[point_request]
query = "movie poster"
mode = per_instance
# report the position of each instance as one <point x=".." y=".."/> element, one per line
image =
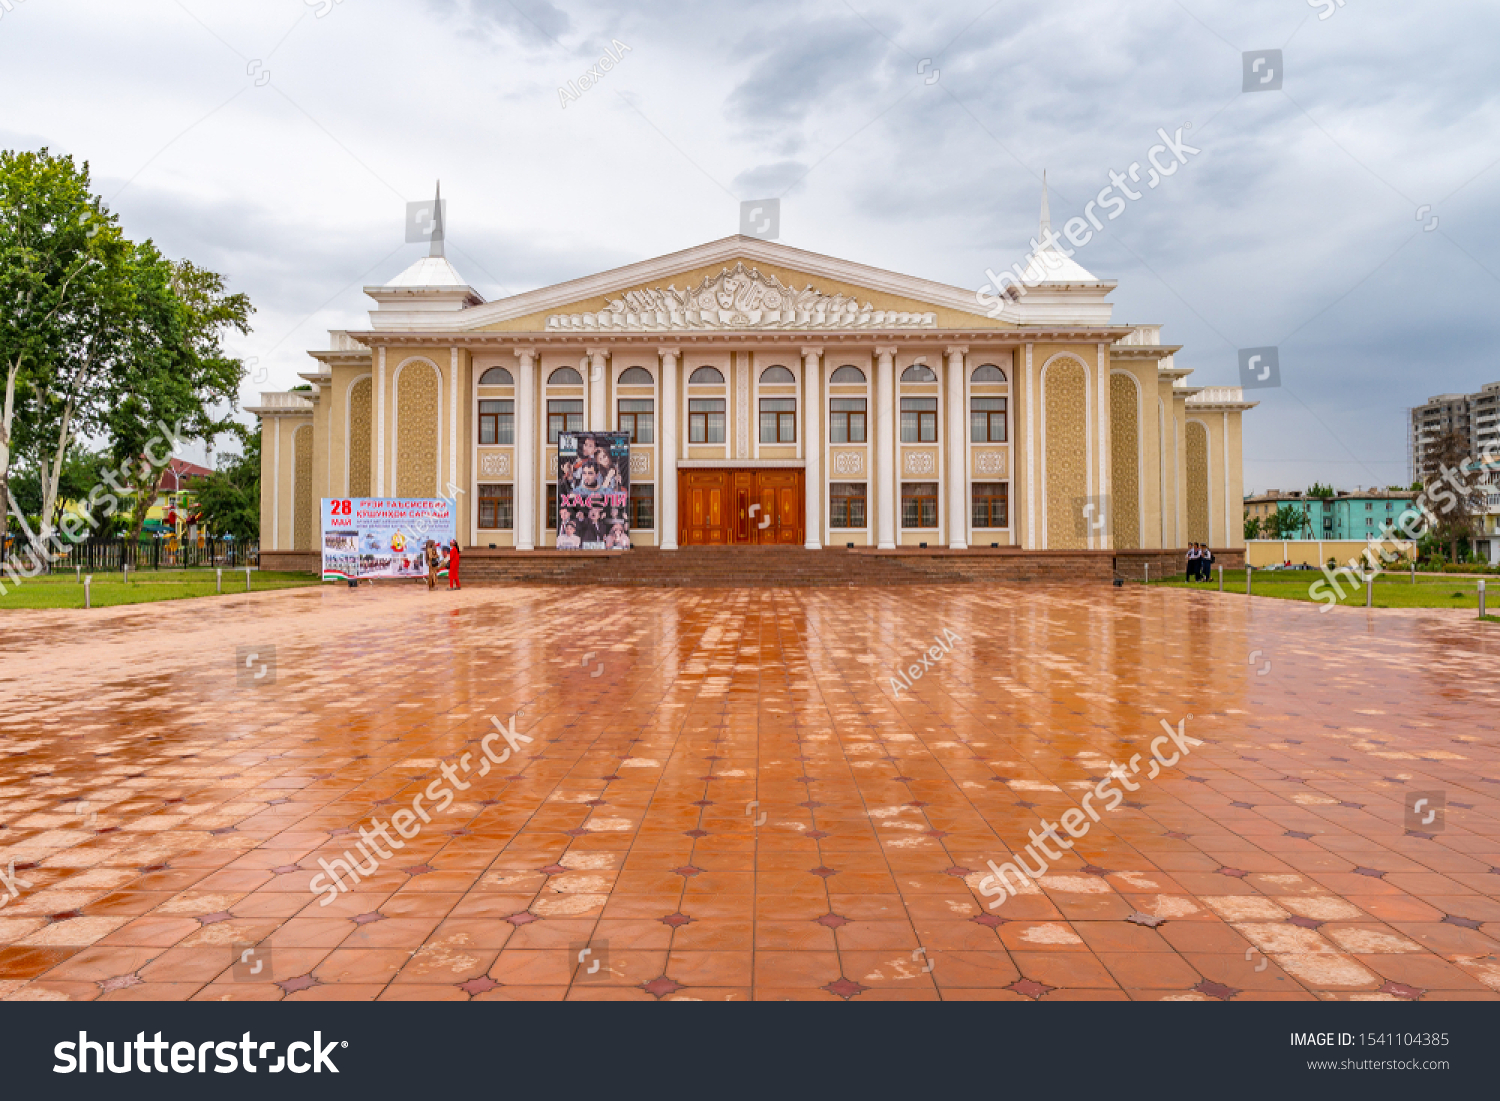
<point x="593" y="491"/>
<point x="384" y="536"/>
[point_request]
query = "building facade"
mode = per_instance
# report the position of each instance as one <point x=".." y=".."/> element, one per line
<point x="1474" y="417"/>
<point x="1348" y="514"/>
<point x="773" y="395"/>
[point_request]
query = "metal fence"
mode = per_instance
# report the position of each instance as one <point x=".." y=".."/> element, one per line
<point x="108" y="555"/>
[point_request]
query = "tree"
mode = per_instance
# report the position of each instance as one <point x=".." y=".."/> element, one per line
<point x="1252" y="527"/>
<point x="1456" y="497"/>
<point x="228" y="500"/>
<point x="1286" y="522"/>
<point x="175" y="373"/>
<point x="1318" y="489"/>
<point x="57" y="244"/>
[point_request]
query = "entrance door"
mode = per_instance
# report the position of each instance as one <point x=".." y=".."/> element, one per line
<point x="741" y="507"/>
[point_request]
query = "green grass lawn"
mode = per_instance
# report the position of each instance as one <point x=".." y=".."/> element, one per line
<point x="144" y="587"/>
<point x="1393" y="590"/>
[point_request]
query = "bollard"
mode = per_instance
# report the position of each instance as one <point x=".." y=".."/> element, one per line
<point x="1221" y="578"/>
<point x="1413" y="571"/>
<point x="1481" y="598"/>
<point x="1249" y="575"/>
<point x="125" y="566"/>
<point x="1148" y="573"/>
<point x="87" y="584"/>
<point x="247" y="579"/>
<point x="1370" y="589"/>
<point x="78" y="574"/>
<point x="218" y="581"/>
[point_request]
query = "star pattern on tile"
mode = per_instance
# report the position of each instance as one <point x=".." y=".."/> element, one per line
<point x="676" y="921"/>
<point x="1031" y="988"/>
<point x="845" y="988"/>
<point x="661" y="987"/>
<point x="1215" y="990"/>
<point x="301" y="982"/>
<point x="479" y="985"/>
<point x="832" y="920"/>
<point x="823" y="871"/>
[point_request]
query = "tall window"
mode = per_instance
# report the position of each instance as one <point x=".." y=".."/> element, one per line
<point x="846" y="505"/>
<point x="642" y="507"/>
<point x="846" y="422"/>
<point x="563" y="416"/>
<point x="778" y="420"/>
<point x="496" y="507"/>
<point x="705" y="419"/>
<point x="991" y="504"/>
<point x="919" y="503"/>
<point x="551" y="506"/>
<point x="638" y="416"/>
<point x="919" y="420"/>
<point x="497" y="422"/>
<point x="987" y="420"/>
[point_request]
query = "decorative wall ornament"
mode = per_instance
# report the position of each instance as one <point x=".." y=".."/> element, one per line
<point x="991" y="464"/>
<point x="302" y="499"/>
<point x="742" y="405"/>
<point x="640" y="464"/>
<point x="1065" y="414"/>
<point x="495" y="464"/>
<point x="920" y="462"/>
<point x="847" y="462"/>
<point x="1124" y="434"/>
<point x="737" y="298"/>
<point x="1197" y="482"/>
<point x="361" y="419"/>
<point x="417" y="430"/>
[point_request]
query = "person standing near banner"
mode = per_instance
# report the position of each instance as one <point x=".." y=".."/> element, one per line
<point x="453" y="557"/>
<point x="430" y="553"/>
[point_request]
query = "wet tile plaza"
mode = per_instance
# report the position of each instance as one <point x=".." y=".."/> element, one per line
<point x="732" y="794"/>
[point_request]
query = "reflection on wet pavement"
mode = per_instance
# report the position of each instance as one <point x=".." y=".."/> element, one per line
<point x="736" y="794"/>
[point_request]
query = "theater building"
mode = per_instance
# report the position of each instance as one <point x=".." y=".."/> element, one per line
<point x="773" y="396"/>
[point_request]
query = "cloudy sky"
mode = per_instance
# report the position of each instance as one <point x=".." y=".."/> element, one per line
<point x="1348" y="218"/>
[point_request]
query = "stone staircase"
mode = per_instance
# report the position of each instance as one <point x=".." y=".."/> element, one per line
<point x="772" y="567"/>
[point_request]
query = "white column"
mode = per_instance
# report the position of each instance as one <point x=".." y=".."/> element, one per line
<point x="666" y="450"/>
<point x="598" y="410"/>
<point x="526" y="449"/>
<point x="812" y="424"/>
<point x="887" y="493"/>
<point x="958" y="451"/>
<point x="1033" y="539"/>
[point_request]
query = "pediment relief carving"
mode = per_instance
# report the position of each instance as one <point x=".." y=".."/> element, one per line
<point x="736" y="298"/>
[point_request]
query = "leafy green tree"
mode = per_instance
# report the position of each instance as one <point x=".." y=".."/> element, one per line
<point x="228" y="500"/>
<point x="1287" y="522"/>
<point x="1252" y="527"/>
<point x="59" y="251"/>
<point x="1318" y="489"/>
<point x="175" y="374"/>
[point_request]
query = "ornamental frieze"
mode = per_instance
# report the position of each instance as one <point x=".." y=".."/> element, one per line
<point x="737" y="298"/>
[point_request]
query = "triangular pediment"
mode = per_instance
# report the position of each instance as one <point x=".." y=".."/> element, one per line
<point x="736" y="284"/>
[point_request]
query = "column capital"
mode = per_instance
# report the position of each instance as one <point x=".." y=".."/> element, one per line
<point x="957" y="349"/>
<point x="591" y="352"/>
<point x="812" y="351"/>
<point x="675" y="353"/>
<point x="525" y="351"/>
<point x="886" y="350"/>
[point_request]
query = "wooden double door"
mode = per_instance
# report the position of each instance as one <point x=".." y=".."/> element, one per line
<point x="740" y="507"/>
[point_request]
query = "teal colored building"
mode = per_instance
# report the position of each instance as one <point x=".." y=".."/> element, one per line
<point x="1360" y="514"/>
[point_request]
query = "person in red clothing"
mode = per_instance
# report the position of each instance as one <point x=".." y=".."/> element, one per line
<point x="453" y="565"/>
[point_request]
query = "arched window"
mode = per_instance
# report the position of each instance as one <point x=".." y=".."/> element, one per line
<point x="496" y="376"/>
<point x="918" y="372"/>
<point x="848" y="374"/>
<point x="776" y="376"/>
<point x="706" y="376"/>
<point x="565" y="376"/>
<point x="635" y="376"/>
<point x="987" y="373"/>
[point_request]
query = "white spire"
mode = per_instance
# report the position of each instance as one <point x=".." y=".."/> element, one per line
<point x="1046" y="212"/>
<point x="437" y="222"/>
